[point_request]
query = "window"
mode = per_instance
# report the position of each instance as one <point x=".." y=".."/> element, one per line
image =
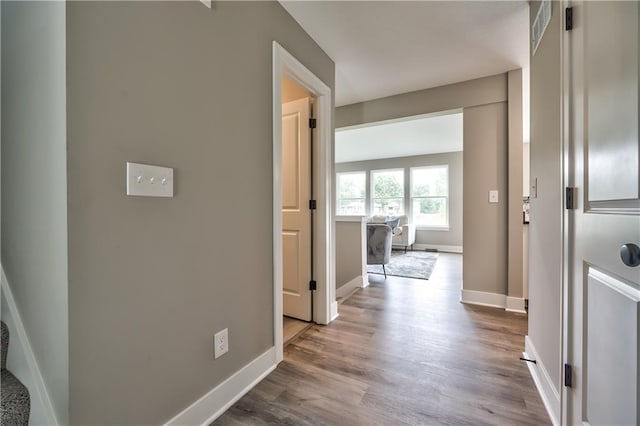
<point x="388" y="192"/>
<point x="430" y="196"/>
<point x="352" y="193"/>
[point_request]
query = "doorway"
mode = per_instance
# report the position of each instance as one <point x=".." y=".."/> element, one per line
<point x="297" y="211"/>
<point x="408" y="174"/>
<point x="324" y="305"/>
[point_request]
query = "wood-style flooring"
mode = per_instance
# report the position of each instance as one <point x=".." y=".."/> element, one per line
<point x="291" y="328"/>
<point x="403" y="351"/>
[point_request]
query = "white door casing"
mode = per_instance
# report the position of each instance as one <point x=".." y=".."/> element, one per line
<point x="602" y="306"/>
<point x="324" y="301"/>
<point x="296" y="216"/>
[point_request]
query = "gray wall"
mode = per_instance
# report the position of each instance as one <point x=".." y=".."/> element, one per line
<point x="452" y="237"/>
<point x="485" y="165"/>
<point x="545" y="229"/>
<point x="151" y="280"/>
<point x="485" y="225"/>
<point x="34" y="191"/>
<point x="350" y="250"/>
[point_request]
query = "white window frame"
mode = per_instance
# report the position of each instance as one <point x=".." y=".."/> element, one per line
<point x="364" y="200"/>
<point x="411" y="197"/>
<point x="372" y="191"/>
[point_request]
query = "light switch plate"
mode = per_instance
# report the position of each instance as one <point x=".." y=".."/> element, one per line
<point x="493" y="196"/>
<point x="144" y="180"/>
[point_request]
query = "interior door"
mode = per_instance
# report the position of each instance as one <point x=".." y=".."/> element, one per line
<point x="603" y="295"/>
<point x="296" y="216"/>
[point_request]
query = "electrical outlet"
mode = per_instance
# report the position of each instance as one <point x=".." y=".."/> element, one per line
<point x="220" y="343"/>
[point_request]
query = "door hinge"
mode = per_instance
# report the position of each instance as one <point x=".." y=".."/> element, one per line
<point x="568" y="19"/>
<point x="312" y="123"/>
<point x="568" y="376"/>
<point x="570" y="197"/>
<point x="313" y="285"/>
<point x="312" y="204"/>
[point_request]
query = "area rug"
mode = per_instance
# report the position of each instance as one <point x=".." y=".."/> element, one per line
<point x="413" y="264"/>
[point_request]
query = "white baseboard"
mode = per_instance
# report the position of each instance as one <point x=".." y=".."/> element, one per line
<point x="544" y="384"/>
<point x="494" y="300"/>
<point x="449" y="249"/>
<point x="515" y="304"/>
<point x="483" y="298"/>
<point x="351" y="286"/>
<point x="365" y="281"/>
<point x="213" y="404"/>
<point x="334" y="311"/>
<point x="21" y="360"/>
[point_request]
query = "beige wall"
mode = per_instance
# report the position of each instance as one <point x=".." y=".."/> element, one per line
<point x="151" y="279"/>
<point x="34" y="188"/>
<point x="291" y="91"/>
<point x="545" y="229"/>
<point x="485" y="226"/>
<point x="452" y="237"/>
<point x="516" y="243"/>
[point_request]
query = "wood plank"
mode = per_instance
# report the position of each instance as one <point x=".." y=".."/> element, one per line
<point x="292" y="328"/>
<point x="403" y="351"/>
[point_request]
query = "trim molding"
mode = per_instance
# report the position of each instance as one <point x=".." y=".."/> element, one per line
<point x="25" y="367"/>
<point x="350" y="218"/>
<point x="515" y="304"/>
<point x="544" y="384"/>
<point x="494" y="300"/>
<point x="283" y="63"/>
<point x="215" y="402"/>
<point x="351" y="286"/>
<point x="334" y="310"/>
<point x="483" y="298"/>
<point x="449" y="249"/>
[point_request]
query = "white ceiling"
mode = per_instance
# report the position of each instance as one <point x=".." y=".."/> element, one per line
<point x="383" y="48"/>
<point x="400" y="138"/>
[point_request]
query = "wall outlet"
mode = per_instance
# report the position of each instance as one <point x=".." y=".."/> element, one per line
<point x="220" y="343"/>
<point x="493" y="196"/>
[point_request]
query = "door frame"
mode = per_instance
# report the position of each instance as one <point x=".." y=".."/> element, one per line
<point x="325" y="307"/>
<point x="566" y="147"/>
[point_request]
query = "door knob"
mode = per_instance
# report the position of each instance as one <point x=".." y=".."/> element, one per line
<point x="630" y="254"/>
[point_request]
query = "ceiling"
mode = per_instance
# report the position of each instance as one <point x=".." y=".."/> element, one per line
<point x="383" y="48"/>
<point x="431" y="134"/>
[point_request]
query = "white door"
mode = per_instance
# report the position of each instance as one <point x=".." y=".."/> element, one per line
<point x="603" y="294"/>
<point x="296" y="216"/>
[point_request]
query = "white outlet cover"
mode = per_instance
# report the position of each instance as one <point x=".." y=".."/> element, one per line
<point x="493" y="196"/>
<point x="144" y="180"/>
<point x="220" y="343"/>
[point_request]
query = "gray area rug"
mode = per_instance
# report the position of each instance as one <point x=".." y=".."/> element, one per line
<point x="413" y="264"/>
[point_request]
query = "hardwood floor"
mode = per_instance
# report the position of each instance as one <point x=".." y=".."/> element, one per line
<point x="403" y="351"/>
<point x="291" y="328"/>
